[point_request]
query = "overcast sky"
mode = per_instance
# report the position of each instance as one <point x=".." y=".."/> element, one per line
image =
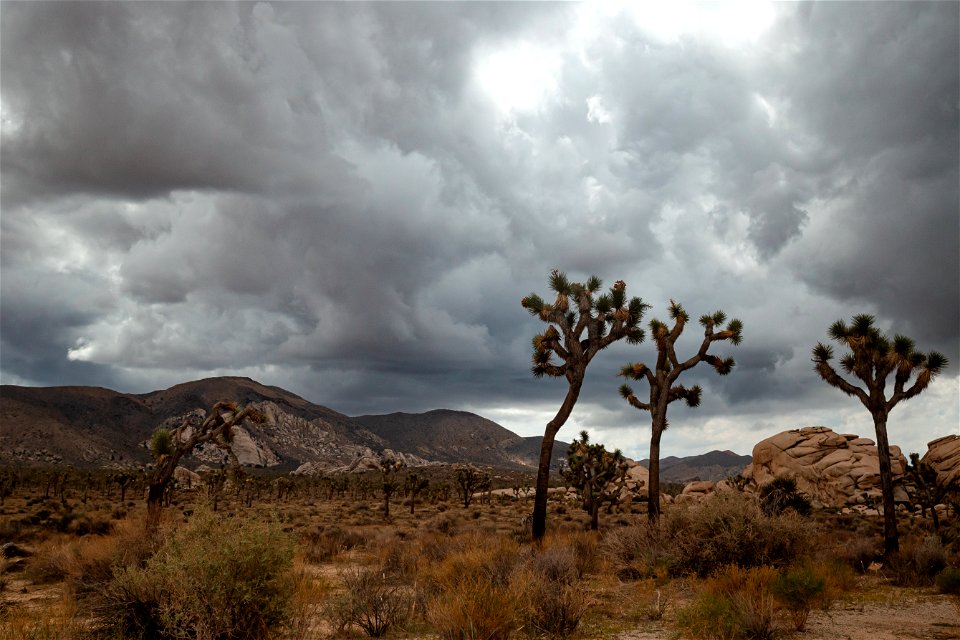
<point x="350" y="200"/>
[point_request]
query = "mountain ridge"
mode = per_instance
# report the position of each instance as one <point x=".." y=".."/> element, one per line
<point x="96" y="426"/>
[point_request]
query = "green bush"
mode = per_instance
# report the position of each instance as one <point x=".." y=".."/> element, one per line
<point x="781" y="494"/>
<point x="212" y="578"/>
<point x="798" y="589"/>
<point x="949" y="581"/>
<point x="733" y="604"/>
<point x="726" y="528"/>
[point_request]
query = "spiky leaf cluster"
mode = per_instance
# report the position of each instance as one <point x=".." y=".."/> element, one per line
<point x="668" y="368"/>
<point x="161" y="444"/>
<point x="873" y="357"/>
<point x="581" y="323"/>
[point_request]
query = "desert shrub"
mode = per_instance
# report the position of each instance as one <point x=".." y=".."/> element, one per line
<point x="554" y="600"/>
<point x="651" y="597"/>
<point x="371" y="603"/>
<point x="781" y="494"/>
<point x="709" y="617"/>
<point x="308" y="604"/>
<point x="948" y="581"/>
<point x="398" y="559"/>
<point x="726" y="528"/>
<point x="89" y="563"/>
<point x="324" y="544"/>
<point x="637" y="552"/>
<point x="860" y="553"/>
<point x="470" y="593"/>
<point x="839" y="578"/>
<point x="798" y="589"/>
<point x="734" y="603"/>
<point x="445" y="523"/>
<point x="212" y="578"/>
<point x="585" y="546"/>
<point x="917" y="563"/>
<point x="57" y="620"/>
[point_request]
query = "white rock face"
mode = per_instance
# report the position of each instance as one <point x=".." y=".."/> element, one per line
<point x="833" y="469"/>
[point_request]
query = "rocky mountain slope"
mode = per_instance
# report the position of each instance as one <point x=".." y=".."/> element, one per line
<point x="90" y="426"/>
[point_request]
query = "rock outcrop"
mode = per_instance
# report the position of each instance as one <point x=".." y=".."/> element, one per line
<point x="943" y="455"/>
<point x="832" y="469"/>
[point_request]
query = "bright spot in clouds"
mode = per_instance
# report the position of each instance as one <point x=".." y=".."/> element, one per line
<point x="518" y="78"/>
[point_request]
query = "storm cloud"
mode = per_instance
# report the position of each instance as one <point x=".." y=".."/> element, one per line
<point x="349" y="200"/>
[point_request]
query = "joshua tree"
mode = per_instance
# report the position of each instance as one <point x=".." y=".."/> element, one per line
<point x="387" y="467"/>
<point x="414" y="485"/>
<point x="663" y="376"/>
<point x="872" y="358"/>
<point x="470" y="481"/>
<point x="168" y="447"/>
<point x="598" y="475"/>
<point x="579" y="327"/>
<point x="927" y="489"/>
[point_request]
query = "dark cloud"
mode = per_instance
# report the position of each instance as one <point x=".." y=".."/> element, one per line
<point x="349" y="200"/>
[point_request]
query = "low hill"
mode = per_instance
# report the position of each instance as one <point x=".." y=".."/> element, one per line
<point x="457" y="436"/>
<point x="713" y="466"/>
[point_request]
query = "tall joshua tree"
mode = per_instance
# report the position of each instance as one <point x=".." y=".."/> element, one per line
<point x="168" y="447"/>
<point x="872" y="358"/>
<point x="579" y="327"/>
<point x="663" y="376"/>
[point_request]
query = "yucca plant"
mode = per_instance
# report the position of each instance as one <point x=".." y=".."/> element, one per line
<point x="662" y="378"/>
<point x="579" y="326"/>
<point x="598" y="475"/>
<point x="873" y="357"/>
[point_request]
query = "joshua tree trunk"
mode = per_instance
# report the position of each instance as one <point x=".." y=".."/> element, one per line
<point x="891" y="539"/>
<point x="653" y="482"/>
<point x="539" y="520"/>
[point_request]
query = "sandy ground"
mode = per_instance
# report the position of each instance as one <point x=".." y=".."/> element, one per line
<point x="879" y="612"/>
<point x="886" y="616"/>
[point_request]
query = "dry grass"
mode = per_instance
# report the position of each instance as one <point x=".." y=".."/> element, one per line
<point x="468" y="572"/>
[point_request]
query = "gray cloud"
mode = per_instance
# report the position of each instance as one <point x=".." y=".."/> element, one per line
<point x="340" y="199"/>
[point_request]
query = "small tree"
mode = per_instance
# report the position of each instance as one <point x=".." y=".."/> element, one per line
<point x="414" y="485"/>
<point x="168" y="447"/>
<point x="926" y="488"/>
<point x="663" y="376"/>
<point x="579" y="327"/>
<point x="470" y="481"/>
<point x="873" y="358"/>
<point x="387" y="468"/>
<point x="598" y="475"/>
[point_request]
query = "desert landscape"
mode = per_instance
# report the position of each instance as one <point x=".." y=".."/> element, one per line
<point x="389" y="542"/>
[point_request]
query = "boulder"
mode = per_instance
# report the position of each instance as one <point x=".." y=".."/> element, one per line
<point x="187" y="479"/>
<point x="832" y="469"/>
<point x="943" y="455"/>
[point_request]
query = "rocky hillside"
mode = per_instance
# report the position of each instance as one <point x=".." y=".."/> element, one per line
<point x="89" y="426"/>
<point x="713" y="466"/>
<point x="453" y="436"/>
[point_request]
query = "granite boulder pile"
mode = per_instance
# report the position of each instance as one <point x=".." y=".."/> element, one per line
<point x="833" y="469"/>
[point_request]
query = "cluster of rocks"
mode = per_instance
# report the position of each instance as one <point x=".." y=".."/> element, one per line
<point x="366" y="460"/>
<point x="838" y="470"/>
